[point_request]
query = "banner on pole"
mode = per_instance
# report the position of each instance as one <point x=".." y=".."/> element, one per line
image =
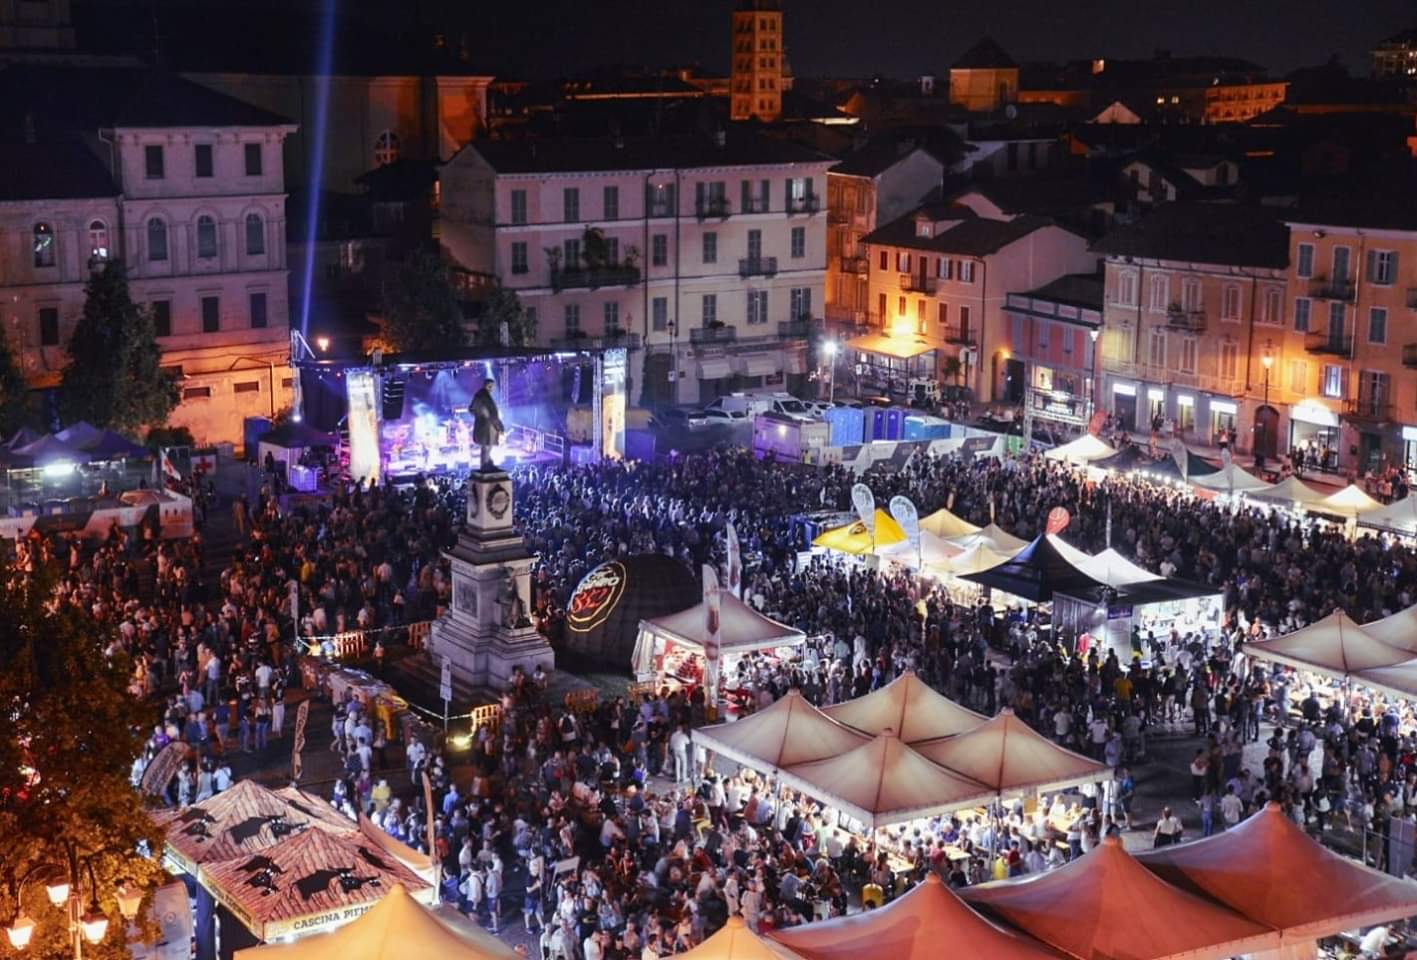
<point x="712" y="612"/>
<point x="906" y="514"/>
<point x="735" y="564"/>
<point x="865" y="503"/>
<point x="302" y="717"/>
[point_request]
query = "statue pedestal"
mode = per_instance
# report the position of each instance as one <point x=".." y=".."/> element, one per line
<point x="486" y="632"/>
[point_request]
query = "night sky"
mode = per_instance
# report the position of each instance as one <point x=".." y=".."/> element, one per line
<point x="904" y="38"/>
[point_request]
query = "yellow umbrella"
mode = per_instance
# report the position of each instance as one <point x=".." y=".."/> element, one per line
<point x="855" y="539"/>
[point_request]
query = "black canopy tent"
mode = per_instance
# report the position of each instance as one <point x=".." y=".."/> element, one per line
<point x="1132" y="458"/>
<point x="1035" y="573"/>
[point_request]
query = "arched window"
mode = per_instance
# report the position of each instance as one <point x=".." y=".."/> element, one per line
<point x="206" y="237"/>
<point x="255" y="234"/>
<point x="157" y="239"/>
<point x="43" y="245"/>
<point x="386" y="148"/>
<point x="98" y="240"/>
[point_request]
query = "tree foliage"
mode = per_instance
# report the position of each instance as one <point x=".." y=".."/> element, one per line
<point x="14" y="398"/>
<point x="421" y="307"/>
<point x="71" y="732"/>
<point x="114" y="378"/>
<point x="505" y="307"/>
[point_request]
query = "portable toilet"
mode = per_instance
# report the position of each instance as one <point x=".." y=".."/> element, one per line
<point x="877" y="430"/>
<point x="847" y="425"/>
<point x="895" y="423"/>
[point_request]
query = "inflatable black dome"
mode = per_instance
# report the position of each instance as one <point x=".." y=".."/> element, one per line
<point x="608" y="604"/>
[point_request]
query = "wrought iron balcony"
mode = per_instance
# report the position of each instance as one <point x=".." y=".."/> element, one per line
<point x="799" y="329"/>
<point x="1368" y="409"/>
<point x="757" y="267"/>
<point x="853" y="265"/>
<point x="1322" y="288"/>
<point x="808" y="204"/>
<point x="913" y="283"/>
<point x="1333" y="344"/>
<point x="961" y="336"/>
<point x="713" y="334"/>
<point x="1179" y="318"/>
<point x="756" y="205"/>
<point x="711" y="207"/>
<point x="594" y="277"/>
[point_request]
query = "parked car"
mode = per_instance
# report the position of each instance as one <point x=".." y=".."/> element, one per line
<point x="714" y="416"/>
<point x="681" y="417"/>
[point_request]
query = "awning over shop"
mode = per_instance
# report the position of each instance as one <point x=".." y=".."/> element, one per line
<point x="760" y="364"/>
<point x="715" y="368"/>
<point x="907" y="707"/>
<point x="891" y="345"/>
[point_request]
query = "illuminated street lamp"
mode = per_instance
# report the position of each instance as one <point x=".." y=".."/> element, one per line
<point x="85" y="925"/>
<point x="1267" y="358"/>
<point x="830" y="349"/>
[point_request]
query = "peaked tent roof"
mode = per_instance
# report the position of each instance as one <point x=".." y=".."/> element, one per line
<point x="1012" y="758"/>
<point x="914" y="926"/>
<point x="1398" y="630"/>
<point x="934" y="551"/>
<point x="21" y="437"/>
<point x="50" y="449"/>
<point x="1035" y="573"/>
<point x="945" y="524"/>
<point x="977" y="559"/>
<point x="1197" y="465"/>
<point x="907" y="707"/>
<point x="1107" y="906"/>
<point x="1351" y="501"/>
<point x="740" y="626"/>
<point x="854" y="538"/>
<point x="1231" y="479"/>
<point x="82" y="435"/>
<point x="1084" y="449"/>
<point x="1399" y="516"/>
<point x="1290" y="490"/>
<point x="994" y="537"/>
<point x="1070" y="553"/>
<point x="788" y="731"/>
<point x="1271" y="871"/>
<point x="734" y="941"/>
<point x="1115" y="570"/>
<point x="883" y="782"/>
<point x="394" y="928"/>
<point x="1336" y="646"/>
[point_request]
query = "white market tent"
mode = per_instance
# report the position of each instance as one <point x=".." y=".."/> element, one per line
<point x="907" y="707"/>
<point x="1082" y="451"/>
<point x="1106" y="905"/>
<point x="944" y="524"/>
<point x="994" y="537"/>
<point x="1070" y="553"/>
<point x="1115" y="570"/>
<point x="1398" y="630"/>
<point x="935" y="551"/>
<point x="741" y="630"/>
<point x="883" y="782"/>
<point x="1400" y="516"/>
<point x="1268" y="869"/>
<point x="1291" y="490"/>
<point x="978" y="558"/>
<point x="1351" y="501"/>
<point x="1335" y="646"/>
<point x="788" y="731"/>
<point x="923" y="924"/>
<point x="1231" y="479"/>
<point x="1013" y="759"/>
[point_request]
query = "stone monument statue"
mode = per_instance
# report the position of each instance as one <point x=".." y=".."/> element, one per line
<point x="513" y="606"/>
<point x="487" y="426"/>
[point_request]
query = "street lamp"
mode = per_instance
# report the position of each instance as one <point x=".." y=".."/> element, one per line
<point x="1267" y="359"/>
<point x="1094" y="333"/>
<point x="90" y="924"/>
<point x="829" y="348"/>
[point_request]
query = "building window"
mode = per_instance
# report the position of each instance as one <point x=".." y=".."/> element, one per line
<point x="710" y="248"/>
<point x="44" y="252"/>
<point x="1158" y="286"/>
<point x="258" y="311"/>
<point x="1302" y="309"/>
<point x="1299" y="376"/>
<point x="802" y="304"/>
<point x="153" y="162"/>
<point x="386" y="148"/>
<point x="571" y="205"/>
<point x="710" y="309"/>
<point x="1191" y="295"/>
<point x="757" y="306"/>
<point x="49" y="326"/>
<point x="966" y="271"/>
<point x="206" y="237"/>
<point x="519" y="259"/>
<point x="610" y="312"/>
<point x="157" y="240"/>
<point x="98" y="240"/>
<point x="1273" y="305"/>
<point x="1377" y="325"/>
<point x="197" y="393"/>
<point x="944" y="312"/>
<point x="252" y="152"/>
<point x="519" y="206"/>
<point x="902" y="261"/>
<point x="1188" y="354"/>
<point x="1331" y="384"/>
<point x="612" y="250"/>
<point x="246" y="386"/>
<point x="799" y="242"/>
<point x="255" y="235"/>
<point x="964" y="313"/>
<point x="900" y="306"/>
<point x="1127" y="288"/>
<point x="162" y="317"/>
<point x="211" y="314"/>
<point x="1335" y="319"/>
<point x="573" y="319"/>
<point x="611" y="197"/>
<point x="1229" y="359"/>
<point x="1157" y="355"/>
<point x="1304" y="262"/>
<point x="1230" y="304"/>
<point x="885" y="262"/>
<point x="203" y="152"/>
<point x="659" y="313"/>
<point x="659" y="250"/>
<point x="571" y="255"/>
<point x="1382" y="267"/>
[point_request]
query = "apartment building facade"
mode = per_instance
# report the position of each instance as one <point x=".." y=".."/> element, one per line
<point x="706" y="257"/>
<point x="1351" y="343"/>
<point x="183" y="186"/>
<point x="1193" y="334"/>
<point x="939" y="279"/>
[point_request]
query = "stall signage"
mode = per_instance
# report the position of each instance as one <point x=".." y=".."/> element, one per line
<point x="596" y="596"/>
<point x="319" y="921"/>
<point x="1119" y="613"/>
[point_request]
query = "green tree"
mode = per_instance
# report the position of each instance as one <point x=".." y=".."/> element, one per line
<point x="72" y="730"/>
<point x="114" y="378"/>
<point x="421" y="307"/>
<point x="504" y="306"/>
<point x="14" y="398"/>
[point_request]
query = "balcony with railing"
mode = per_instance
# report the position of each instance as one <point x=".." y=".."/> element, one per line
<point x="1409" y="355"/>
<point x="961" y="336"/>
<point x="711" y="207"/>
<point x="659" y="208"/>
<point x="914" y="283"/>
<point x="1322" y="288"/>
<point x="796" y="329"/>
<point x="1368" y="408"/>
<point x="809" y="204"/>
<point x="722" y="334"/>
<point x="594" y="277"/>
<point x="757" y="267"/>
<point x="1185" y="319"/>
<point x="756" y="205"/>
<point x="1333" y="343"/>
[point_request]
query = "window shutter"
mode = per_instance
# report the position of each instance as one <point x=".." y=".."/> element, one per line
<point x="1371" y="267"/>
<point x="747" y="192"/>
<point x="1392" y="267"/>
